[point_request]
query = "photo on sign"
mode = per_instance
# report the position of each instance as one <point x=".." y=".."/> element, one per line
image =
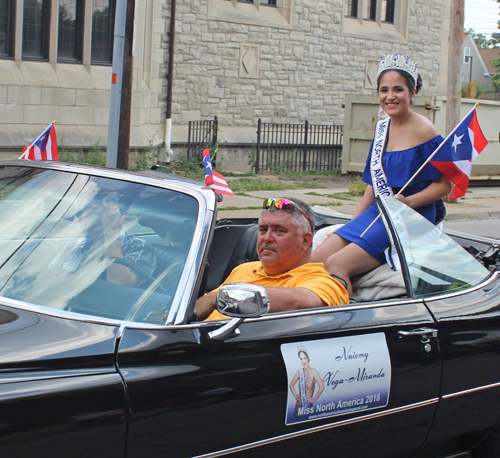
<point x="336" y="376"/>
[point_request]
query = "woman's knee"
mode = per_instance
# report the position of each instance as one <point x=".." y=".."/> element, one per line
<point x="330" y="246"/>
<point x="351" y="261"/>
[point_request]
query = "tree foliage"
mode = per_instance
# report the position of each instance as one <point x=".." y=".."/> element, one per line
<point x="480" y="39"/>
<point x="495" y="79"/>
<point x="482" y="42"/>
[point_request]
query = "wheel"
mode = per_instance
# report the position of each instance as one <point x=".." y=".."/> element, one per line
<point x="142" y="304"/>
<point x="139" y="272"/>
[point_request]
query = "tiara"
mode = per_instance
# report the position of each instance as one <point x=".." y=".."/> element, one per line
<point x="301" y="348"/>
<point x="397" y="62"/>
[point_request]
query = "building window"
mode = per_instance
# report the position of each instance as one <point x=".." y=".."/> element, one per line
<point x="352" y="8"/>
<point x="262" y="2"/>
<point x="35" y="29"/>
<point x="7" y="21"/>
<point x="69" y="44"/>
<point x="103" y="14"/>
<point x="466" y="55"/>
<point x="388" y="11"/>
<point x="369" y="9"/>
<point x="376" y="19"/>
<point x="249" y="12"/>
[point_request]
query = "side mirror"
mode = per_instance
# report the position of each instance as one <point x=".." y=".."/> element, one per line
<point x="240" y="301"/>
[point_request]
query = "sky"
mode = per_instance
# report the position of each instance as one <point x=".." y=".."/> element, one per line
<point x="482" y="16"/>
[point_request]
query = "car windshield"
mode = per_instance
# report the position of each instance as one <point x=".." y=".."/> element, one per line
<point x="92" y="245"/>
<point x="436" y="263"/>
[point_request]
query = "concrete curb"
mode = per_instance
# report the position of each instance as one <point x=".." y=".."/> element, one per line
<point x="480" y="214"/>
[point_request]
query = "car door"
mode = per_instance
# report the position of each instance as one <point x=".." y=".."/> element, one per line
<point x="469" y="330"/>
<point x="463" y="296"/>
<point x="60" y="392"/>
<point x="191" y="395"/>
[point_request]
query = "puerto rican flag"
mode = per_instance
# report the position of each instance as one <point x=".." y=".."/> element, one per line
<point x="214" y="179"/>
<point x="43" y="148"/>
<point x="455" y="155"/>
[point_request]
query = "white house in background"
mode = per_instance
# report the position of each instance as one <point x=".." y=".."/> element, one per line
<point x="488" y="55"/>
<point x="473" y="65"/>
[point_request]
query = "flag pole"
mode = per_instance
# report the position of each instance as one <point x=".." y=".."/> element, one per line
<point x="36" y="139"/>
<point x="425" y="163"/>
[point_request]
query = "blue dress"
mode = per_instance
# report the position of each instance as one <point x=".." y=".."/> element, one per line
<point x="399" y="167"/>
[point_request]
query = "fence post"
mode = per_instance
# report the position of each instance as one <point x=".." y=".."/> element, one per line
<point x="304" y="162"/>
<point x="215" y="131"/>
<point x="257" y="153"/>
<point x="189" y="141"/>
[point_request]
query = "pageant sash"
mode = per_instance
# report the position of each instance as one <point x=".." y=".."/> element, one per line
<point x="302" y="384"/>
<point x="379" y="179"/>
<point x="379" y="183"/>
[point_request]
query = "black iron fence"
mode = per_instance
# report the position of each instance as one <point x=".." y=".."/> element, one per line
<point x="290" y="147"/>
<point x="298" y="147"/>
<point x="201" y="135"/>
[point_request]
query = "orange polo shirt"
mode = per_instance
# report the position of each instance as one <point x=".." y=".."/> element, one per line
<point x="312" y="276"/>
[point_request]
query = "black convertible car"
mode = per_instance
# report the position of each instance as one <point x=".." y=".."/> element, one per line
<point x="93" y="366"/>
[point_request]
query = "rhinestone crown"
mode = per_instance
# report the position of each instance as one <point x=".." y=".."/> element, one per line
<point x="398" y="62"/>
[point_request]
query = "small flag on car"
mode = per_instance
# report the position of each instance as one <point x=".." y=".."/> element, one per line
<point x="456" y="154"/>
<point x="44" y="147"/>
<point x="214" y="179"/>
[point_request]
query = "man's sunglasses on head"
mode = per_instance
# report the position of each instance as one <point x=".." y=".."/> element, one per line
<point x="283" y="204"/>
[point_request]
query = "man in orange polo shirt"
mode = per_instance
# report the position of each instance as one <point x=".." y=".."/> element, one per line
<point x="284" y="247"/>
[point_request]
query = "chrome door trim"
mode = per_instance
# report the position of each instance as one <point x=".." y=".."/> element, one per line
<point x="442" y="296"/>
<point x="319" y="428"/>
<point x="471" y="390"/>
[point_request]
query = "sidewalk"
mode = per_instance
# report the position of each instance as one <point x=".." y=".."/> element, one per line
<point x="480" y="202"/>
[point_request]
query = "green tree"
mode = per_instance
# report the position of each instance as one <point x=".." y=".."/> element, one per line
<point x="480" y="39"/>
<point x="495" y="79"/>
<point x="494" y="41"/>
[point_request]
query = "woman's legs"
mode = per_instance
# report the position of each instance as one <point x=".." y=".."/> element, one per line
<point x="332" y="244"/>
<point x="351" y="260"/>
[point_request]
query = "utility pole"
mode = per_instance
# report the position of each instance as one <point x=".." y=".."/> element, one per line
<point x="126" y="99"/>
<point x="116" y="83"/>
<point x="454" y="92"/>
<point x="170" y="82"/>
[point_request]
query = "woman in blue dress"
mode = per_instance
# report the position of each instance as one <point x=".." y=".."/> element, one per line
<point x="400" y="147"/>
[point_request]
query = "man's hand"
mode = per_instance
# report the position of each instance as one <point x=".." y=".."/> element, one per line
<point x="112" y="221"/>
<point x="205" y="305"/>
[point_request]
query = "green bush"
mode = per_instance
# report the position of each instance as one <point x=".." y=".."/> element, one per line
<point x="357" y="188"/>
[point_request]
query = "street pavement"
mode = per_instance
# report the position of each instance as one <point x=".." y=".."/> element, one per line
<point x="480" y="202"/>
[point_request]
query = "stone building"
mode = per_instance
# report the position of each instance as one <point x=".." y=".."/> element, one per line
<point x="283" y="61"/>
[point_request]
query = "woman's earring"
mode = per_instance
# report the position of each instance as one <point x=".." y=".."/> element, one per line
<point x="412" y="100"/>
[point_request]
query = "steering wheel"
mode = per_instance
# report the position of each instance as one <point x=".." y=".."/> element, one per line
<point x="139" y="272"/>
<point x="140" y="304"/>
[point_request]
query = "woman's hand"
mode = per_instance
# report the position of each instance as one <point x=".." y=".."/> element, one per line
<point x="403" y="199"/>
<point x="437" y="189"/>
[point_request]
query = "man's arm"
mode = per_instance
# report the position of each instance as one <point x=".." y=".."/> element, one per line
<point x="283" y="299"/>
<point x="205" y="305"/>
<point x="112" y="222"/>
<point x="280" y="299"/>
